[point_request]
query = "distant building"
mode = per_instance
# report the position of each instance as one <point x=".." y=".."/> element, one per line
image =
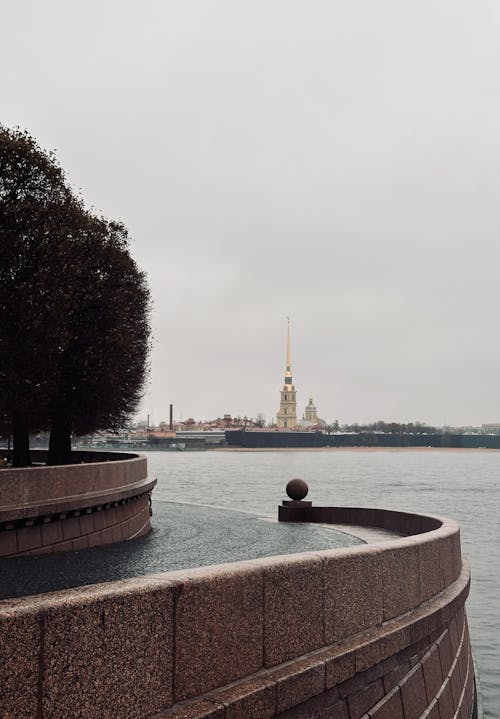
<point x="310" y="419"/>
<point x="310" y="413"/>
<point x="287" y="413"/>
<point x="491" y="428"/>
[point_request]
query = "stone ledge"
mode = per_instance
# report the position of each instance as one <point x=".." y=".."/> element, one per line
<point x="354" y="660"/>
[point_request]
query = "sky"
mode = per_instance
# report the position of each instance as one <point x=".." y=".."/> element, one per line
<point x="337" y="161"/>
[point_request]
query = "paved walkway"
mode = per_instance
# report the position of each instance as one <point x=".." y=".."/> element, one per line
<point x="183" y="536"/>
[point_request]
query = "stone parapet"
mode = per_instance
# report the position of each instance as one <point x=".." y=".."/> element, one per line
<point x="370" y="631"/>
<point x="104" y="498"/>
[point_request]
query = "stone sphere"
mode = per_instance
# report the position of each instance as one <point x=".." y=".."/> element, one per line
<point x="297" y="489"/>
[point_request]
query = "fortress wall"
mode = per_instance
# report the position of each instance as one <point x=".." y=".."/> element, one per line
<point x="103" y="499"/>
<point x="375" y="630"/>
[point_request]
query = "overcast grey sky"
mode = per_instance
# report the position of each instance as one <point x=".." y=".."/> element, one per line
<point x="337" y="161"/>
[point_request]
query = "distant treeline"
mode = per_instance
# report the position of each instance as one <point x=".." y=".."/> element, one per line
<point x="393" y="428"/>
<point x="254" y="440"/>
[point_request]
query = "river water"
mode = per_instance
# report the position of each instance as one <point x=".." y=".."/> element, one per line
<point x="461" y="484"/>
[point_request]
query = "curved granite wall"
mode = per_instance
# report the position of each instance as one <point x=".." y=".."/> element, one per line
<point x="372" y="631"/>
<point x="102" y="499"/>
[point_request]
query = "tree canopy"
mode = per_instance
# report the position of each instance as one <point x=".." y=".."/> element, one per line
<point x="74" y="307"/>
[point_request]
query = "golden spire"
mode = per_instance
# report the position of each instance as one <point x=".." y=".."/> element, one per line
<point x="288" y="372"/>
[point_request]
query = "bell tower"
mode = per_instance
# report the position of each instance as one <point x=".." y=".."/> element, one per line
<point x="287" y="415"/>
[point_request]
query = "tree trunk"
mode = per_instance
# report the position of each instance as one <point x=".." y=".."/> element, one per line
<point x="21" y="439"/>
<point x="59" y="443"/>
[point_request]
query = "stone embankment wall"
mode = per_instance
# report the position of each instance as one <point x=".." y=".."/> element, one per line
<point x="102" y="499"/>
<point x="265" y="439"/>
<point x="374" y="631"/>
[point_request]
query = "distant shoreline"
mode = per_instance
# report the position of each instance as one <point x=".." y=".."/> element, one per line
<point x="352" y="449"/>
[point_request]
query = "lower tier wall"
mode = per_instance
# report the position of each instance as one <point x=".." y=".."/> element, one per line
<point x="78" y="529"/>
<point x="433" y="678"/>
<point x="100" y="499"/>
<point x="416" y="667"/>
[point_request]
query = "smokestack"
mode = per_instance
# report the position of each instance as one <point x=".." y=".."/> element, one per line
<point x="171" y="423"/>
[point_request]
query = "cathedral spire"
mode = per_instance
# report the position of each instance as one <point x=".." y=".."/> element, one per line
<point x="288" y="372"/>
<point x="287" y="414"/>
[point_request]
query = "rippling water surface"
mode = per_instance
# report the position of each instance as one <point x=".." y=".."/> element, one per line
<point x="460" y="484"/>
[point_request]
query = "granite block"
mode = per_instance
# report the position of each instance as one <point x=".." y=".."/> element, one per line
<point x="52" y="532"/>
<point x="12" y="487"/>
<point x="254" y="699"/>
<point x="369" y="652"/>
<point x="445" y="654"/>
<point x="463" y="659"/>
<point x="20" y="638"/>
<point x="219" y="627"/>
<point x="94" y="539"/>
<point x="364" y="700"/>
<point x="446" y="563"/>
<point x="445" y="702"/>
<point x="125" y="530"/>
<point x="433" y="678"/>
<point x="454" y="637"/>
<point x="382" y="669"/>
<point x="340" y="667"/>
<point x="79" y="543"/>
<point x="86" y="523"/>
<point x="129" y="510"/>
<point x="107" y="536"/>
<point x="297" y="682"/>
<point x="134" y="524"/>
<point x="395" y="676"/>
<point x="353" y="685"/>
<point x="108" y="650"/>
<point x="432" y="711"/>
<point x="399" y="567"/>
<point x="470" y="687"/>
<point x="64" y="546"/>
<point x="416" y="657"/>
<point x="8" y="542"/>
<point x="425" y="622"/>
<point x="110" y="517"/>
<point x="428" y="561"/>
<point x="28" y="538"/>
<point x="203" y="709"/>
<point x="42" y="550"/>
<point x="145" y="527"/>
<point x="456" y="684"/>
<point x="99" y="520"/>
<point x="293" y="606"/>
<point x="353" y="591"/>
<point x="338" y="711"/>
<point x="325" y="705"/>
<point x="464" y="711"/>
<point x="398" y="638"/>
<point x="445" y="613"/>
<point x="120" y="513"/>
<point x="390" y="707"/>
<point x="71" y="528"/>
<point x="413" y="693"/>
<point x="456" y="552"/>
